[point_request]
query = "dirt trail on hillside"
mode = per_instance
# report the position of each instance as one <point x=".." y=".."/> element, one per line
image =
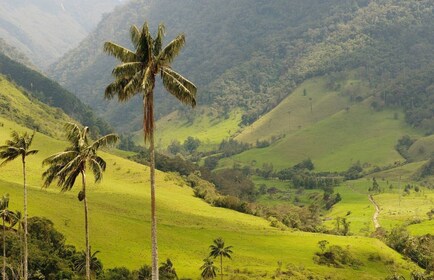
<point x="377" y="212"/>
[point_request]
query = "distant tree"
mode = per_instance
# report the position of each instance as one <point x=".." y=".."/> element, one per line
<point x="66" y="166"/>
<point x="95" y="263"/>
<point x="19" y="146"/>
<point x="218" y="249"/>
<point x="137" y="74"/>
<point x="9" y="217"/>
<point x="145" y="273"/>
<point x="208" y="269"/>
<point x="175" y="147"/>
<point x="191" y="144"/>
<point x="167" y="271"/>
<point x="322" y="245"/>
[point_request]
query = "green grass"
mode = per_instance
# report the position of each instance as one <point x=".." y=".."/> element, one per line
<point x="334" y="141"/>
<point x="208" y="128"/>
<point x="120" y="222"/>
<point x="422" y="148"/>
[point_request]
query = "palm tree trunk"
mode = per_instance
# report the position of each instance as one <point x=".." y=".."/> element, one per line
<point x="221" y="267"/>
<point x="26" y="252"/>
<point x="86" y="225"/>
<point x="155" y="275"/>
<point x="4" y="251"/>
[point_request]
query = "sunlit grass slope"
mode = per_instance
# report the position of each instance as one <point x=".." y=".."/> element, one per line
<point x="120" y="222"/>
<point x="338" y="138"/>
<point x="397" y="207"/>
<point x="205" y="126"/>
<point x="29" y="112"/>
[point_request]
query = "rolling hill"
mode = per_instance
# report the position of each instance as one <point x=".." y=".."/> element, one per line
<point x="119" y="219"/>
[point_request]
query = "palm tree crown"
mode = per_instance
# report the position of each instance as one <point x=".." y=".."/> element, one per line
<point x="66" y="166"/>
<point x="137" y="70"/>
<point x="208" y="269"/>
<point x="17" y="146"/>
<point x="218" y="249"/>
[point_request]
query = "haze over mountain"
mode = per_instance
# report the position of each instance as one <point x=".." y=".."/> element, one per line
<point x="46" y="29"/>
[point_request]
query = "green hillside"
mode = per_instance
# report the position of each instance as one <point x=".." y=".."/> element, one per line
<point x="50" y="92"/>
<point x="30" y="113"/>
<point x="120" y="220"/>
<point x="336" y="134"/>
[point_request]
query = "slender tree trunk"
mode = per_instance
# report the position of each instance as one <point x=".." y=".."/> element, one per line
<point x="221" y="267"/>
<point x="155" y="275"/>
<point x="26" y="252"/>
<point x="20" y="232"/>
<point x="86" y="225"/>
<point x="4" y="251"/>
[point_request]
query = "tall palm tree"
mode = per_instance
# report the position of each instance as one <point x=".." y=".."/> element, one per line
<point x="208" y="269"/>
<point x="9" y="217"/>
<point x="218" y="249"/>
<point x="136" y="74"/>
<point x="66" y="166"/>
<point x="19" y="145"/>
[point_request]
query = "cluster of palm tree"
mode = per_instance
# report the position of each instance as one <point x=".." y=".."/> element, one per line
<point x="136" y="74"/>
<point x="64" y="168"/>
<point x="217" y="250"/>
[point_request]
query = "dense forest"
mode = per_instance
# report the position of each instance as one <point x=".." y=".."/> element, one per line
<point x="256" y="54"/>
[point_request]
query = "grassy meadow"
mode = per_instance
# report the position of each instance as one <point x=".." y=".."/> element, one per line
<point x="120" y="222"/>
<point x="335" y="135"/>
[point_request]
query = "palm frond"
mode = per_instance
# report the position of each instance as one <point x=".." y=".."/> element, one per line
<point x="169" y="53"/>
<point x="105" y="141"/>
<point x="121" y="53"/>
<point x="97" y="166"/>
<point x="31" y="152"/>
<point x="178" y="86"/>
<point x="126" y="70"/>
<point x="146" y="45"/>
<point x="158" y="43"/>
<point x="8" y="153"/>
<point x="135" y="35"/>
<point x="73" y="132"/>
<point x="117" y="88"/>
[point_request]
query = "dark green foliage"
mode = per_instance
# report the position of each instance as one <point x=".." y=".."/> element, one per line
<point x="336" y="256"/>
<point x="51" y="93"/>
<point x="425" y="170"/>
<point x="117" y="273"/>
<point x="233" y="182"/>
<point x="404" y="143"/>
<point x="191" y="144"/>
<point x="354" y="172"/>
<point x="419" y="249"/>
<point x="232" y="147"/>
<point x="167" y="271"/>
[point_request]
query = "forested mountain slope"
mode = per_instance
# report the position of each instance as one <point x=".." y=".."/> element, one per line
<point x="45" y="29"/>
<point x="251" y="56"/>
